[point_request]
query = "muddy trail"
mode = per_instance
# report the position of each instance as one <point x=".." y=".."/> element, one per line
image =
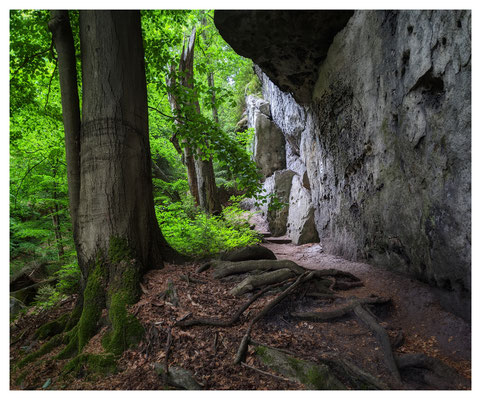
<point x="204" y="324"/>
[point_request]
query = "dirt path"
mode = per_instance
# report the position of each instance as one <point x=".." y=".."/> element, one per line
<point x="416" y="308"/>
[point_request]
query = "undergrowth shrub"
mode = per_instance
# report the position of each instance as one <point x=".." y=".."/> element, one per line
<point x="192" y="232"/>
<point x="68" y="283"/>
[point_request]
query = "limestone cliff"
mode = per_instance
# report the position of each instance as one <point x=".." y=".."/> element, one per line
<point x="383" y="137"/>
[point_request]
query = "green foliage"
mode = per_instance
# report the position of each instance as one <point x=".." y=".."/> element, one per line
<point x="246" y="138"/>
<point x="47" y="296"/>
<point x="194" y="233"/>
<point x="68" y="278"/>
<point x="38" y="178"/>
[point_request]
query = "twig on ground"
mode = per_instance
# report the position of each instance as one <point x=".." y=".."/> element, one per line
<point x="265" y="372"/>
<point x="168" y="344"/>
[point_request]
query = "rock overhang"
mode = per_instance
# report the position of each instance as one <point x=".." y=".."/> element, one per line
<point x="288" y="45"/>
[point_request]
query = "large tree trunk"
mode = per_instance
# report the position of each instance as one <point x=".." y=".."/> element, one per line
<point x="116" y="183"/>
<point x="117" y="235"/>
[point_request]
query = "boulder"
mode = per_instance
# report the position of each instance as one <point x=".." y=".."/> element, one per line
<point x="301" y="226"/>
<point x="178" y="377"/>
<point x="249" y="253"/>
<point x="29" y="275"/>
<point x="15" y="307"/>
<point x="313" y="376"/>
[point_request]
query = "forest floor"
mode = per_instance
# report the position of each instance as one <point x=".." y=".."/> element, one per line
<point x="208" y="351"/>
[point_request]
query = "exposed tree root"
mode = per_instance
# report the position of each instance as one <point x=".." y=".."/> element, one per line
<point x="356" y="377"/>
<point x="233" y="319"/>
<point x="255" y="281"/>
<point x="241" y="351"/>
<point x="265" y="372"/>
<point x="222" y="269"/>
<point x="324" y="296"/>
<point x="342" y="285"/>
<point x="338" y="312"/>
<point x="168" y="344"/>
<point x="249" y="253"/>
<point x="383" y="338"/>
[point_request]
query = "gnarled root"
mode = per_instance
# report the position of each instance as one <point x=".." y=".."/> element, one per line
<point x="255" y="281"/>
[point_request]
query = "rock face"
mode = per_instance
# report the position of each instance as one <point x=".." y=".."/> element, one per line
<point x="269" y="142"/>
<point x="384" y="141"/>
<point x="279" y="183"/>
<point x="296" y="217"/>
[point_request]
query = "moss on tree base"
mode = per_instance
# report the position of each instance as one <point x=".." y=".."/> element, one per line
<point x="102" y="364"/>
<point x="112" y="283"/>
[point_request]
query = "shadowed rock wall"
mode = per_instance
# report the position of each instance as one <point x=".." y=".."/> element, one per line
<point x="385" y="142"/>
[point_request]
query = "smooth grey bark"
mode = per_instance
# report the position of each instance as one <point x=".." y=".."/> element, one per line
<point x="115" y="198"/>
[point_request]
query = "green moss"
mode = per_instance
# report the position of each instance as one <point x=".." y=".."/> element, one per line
<point x="119" y="250"/>
<point x="90" y="313"/>
<point x="296" y="364"/>
<point x="46" y="348"/>
<point x="74" y="317"/>
<point x="52" y="328"/>
<point x="126" y="330"/>
<point x="93" y="363"/>
<point x="71" y="340"/>
<point x="318" y="378"/>
<point x="263" y="353"/>
<point x="313" y="376"/>
<point x="124" y="290"/>
<point x="94" y="301"/>
<point x="21" y="377"/>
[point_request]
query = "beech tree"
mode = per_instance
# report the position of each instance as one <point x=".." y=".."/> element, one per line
<point x="200" y="171"/>
<point x="116" y="234"/>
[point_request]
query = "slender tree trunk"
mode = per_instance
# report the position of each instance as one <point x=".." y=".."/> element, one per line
<point x="212" y="202"/>
<point x="187" y="156"/>
<point x="215" y="114"/>
<point x="56" y="216"/>
<point x="59" y="25"/>
<point x="208" y="199"/>
<point x="56" y="226"/>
